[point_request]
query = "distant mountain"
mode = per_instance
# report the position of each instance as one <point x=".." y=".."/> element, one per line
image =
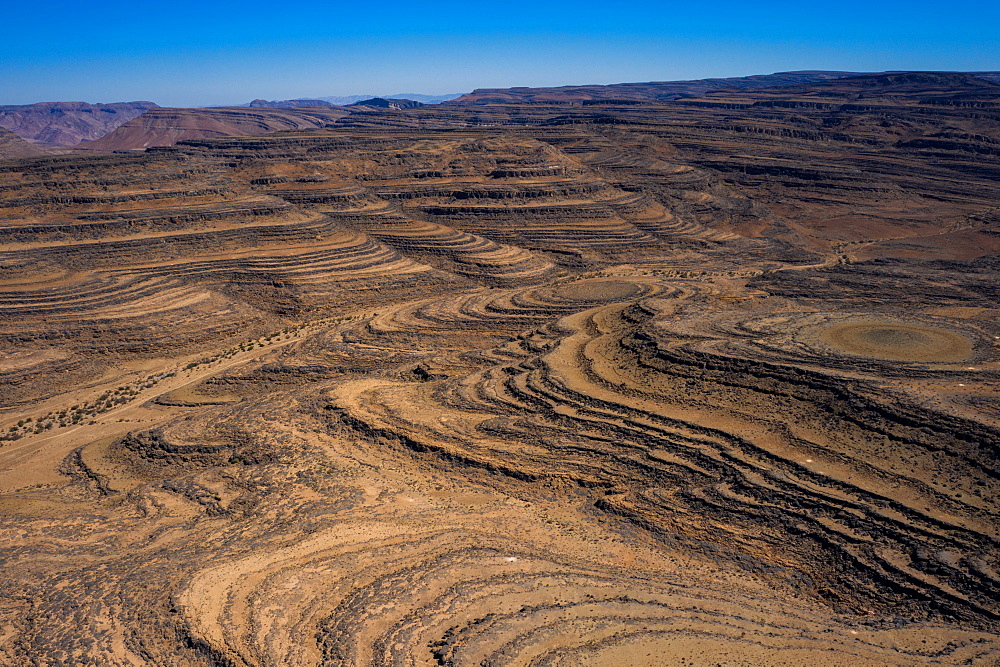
<point x="650" y="91"/>
<point x="426" y="99"/>
<point x="937" y="88"/>
<point x="662" y="91"/>
<point x="992" y="77"/>
<point x="909" y="83"/>
<point x="288" y="104"/>
<point x="349" y="99"/>
<point x="13" y="146"/>
<point x="62" y="124"/>
<point x="383" y="103"/>
<point x="165" y="127"/>
<point x="344" y="100"/>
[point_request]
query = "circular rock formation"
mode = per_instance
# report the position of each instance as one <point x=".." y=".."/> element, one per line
<point x="605" y="290"/>
<point x="897" y="341"/>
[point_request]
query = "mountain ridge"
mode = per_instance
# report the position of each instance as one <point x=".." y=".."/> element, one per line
<point x="651" y="90"/>
<point x="661" y="91"/>
<point x="88" y="127"/>
<point x="165" y="126"/>
<point x="13" y="146"/>
<point x="343" y="100"/>
<point x="65" y="124"/>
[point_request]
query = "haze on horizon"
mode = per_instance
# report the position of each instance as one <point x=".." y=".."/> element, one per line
<point x="195" y="54"/>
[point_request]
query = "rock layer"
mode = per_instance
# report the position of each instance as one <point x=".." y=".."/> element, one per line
<point x="510" y="385"/>
<point x="64" y="124"/>
<point x="165" y="127"/>
<point x="13" y="146"/>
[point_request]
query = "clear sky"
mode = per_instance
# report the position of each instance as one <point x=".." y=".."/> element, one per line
<point x="197" y="53"/>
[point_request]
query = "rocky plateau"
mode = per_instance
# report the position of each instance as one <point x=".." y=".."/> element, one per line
<point x="712" y="380"/>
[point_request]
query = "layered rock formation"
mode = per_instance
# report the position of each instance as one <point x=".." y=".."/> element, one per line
<point x="63" y="124"/>
<point x="383" y="103"/>
<point x="288" y="104"/>
<point x="13" y="146"/>
<point x="693" y="383"/>
<point x="165" y="127"/>
<point x="651" y="91"/>
<point x="873" y="91"/>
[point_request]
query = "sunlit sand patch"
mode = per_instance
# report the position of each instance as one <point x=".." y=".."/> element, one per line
<point x="897" y="341"/>
<point x="605" y="290"/>
<point x="593" y="291"/>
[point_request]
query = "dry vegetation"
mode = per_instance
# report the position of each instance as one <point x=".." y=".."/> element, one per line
<point x="508" y="385"/>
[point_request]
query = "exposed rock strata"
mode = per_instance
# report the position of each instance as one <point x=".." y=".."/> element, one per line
<point x="13" y="146"/>
<point x="165" y="127"/>
<point x="509" y="384"/>
<point x="64" y="124"/>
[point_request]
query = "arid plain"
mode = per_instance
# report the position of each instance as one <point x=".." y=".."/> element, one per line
<point x="700" y="381"/>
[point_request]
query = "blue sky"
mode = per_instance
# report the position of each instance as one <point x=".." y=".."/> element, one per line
<point x="187" y="53"/>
